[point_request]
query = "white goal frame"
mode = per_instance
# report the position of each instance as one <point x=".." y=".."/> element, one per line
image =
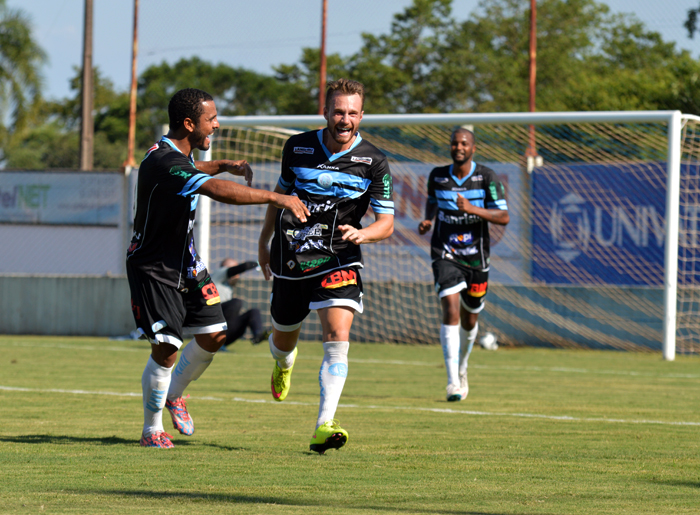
<point x="673" y="120"/>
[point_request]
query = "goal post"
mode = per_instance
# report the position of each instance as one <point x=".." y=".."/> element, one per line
<point x="580" y="264"/>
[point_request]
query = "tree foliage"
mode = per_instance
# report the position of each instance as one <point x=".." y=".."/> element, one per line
<point x="21" y="59"/>
<point x="428" y="61"/>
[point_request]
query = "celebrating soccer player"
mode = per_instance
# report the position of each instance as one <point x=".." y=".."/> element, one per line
<point x="171" y="290"/>
<point x="466" y="197"/>
<point x="316" y="263"/>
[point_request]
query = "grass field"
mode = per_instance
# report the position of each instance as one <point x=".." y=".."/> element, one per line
<point x="542" y="431"/>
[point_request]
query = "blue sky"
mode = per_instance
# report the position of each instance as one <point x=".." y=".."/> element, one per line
<point x="255" y="35"/>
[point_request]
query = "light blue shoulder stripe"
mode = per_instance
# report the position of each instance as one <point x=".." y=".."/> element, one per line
<point x="194" y="184"/>
<point x="284" y="184"/>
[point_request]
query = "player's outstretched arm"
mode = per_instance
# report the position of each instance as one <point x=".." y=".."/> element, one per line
<point x="494" y="216"/>
<point x="380" y="229"/>
<point x="230" y="192"/>
<point x="240" y="168"/>
<point x="268" y="229"/>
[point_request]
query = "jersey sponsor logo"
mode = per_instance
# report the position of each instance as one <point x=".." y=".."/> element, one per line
<point x="327" y="167"/>
<point x="317" y="208"/>
<point x="307" y="232"/>
<point x="325" y="180"/>
<point x="387" y="186"/>
<point x="210" y="294"/>
<point x="303" y="150"/>
<point x="442" y="180"/>
<point x="477" y="178"/>
<point x="194" y="271"/>
<point x="478" y="289"/>
<point x="299" y="247"/>
<point x="306" y="266"/>
<point x="365" y="160"/>
<point x="453" y="220"/>
<point x="460" y="240"/>
<point x="179" y="172"/>
<point x="291" y="264"/>
<point x="339" y="278"/>
<point x="469" y="251"/>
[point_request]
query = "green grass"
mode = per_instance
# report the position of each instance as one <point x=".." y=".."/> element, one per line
<point x="542" y="431"/>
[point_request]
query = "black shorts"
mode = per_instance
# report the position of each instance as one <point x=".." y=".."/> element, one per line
<point x="291" y="301"/>
<point x="471" y="284"/>
<point x="163" y="313"/>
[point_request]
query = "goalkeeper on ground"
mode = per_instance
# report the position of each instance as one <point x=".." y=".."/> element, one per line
<point x="465" y="196"/>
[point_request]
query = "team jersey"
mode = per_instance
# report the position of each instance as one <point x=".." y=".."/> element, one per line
<point x="457" y="235"/>
<point x="337" y="189"/>
<point x="162" y="245"/>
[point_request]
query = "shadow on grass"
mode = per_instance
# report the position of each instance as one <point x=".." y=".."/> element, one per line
<point x="674" y="482"/>
<point x="280" y="501"/>
<point x="106" y="440"/>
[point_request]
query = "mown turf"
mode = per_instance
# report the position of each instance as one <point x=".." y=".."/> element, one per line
<point x="542" y="431"/>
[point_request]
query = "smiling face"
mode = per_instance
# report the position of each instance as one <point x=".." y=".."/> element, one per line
<point x="462" y="146"/>
<point x="344" y="113"/>
<point x="205" y="126"/>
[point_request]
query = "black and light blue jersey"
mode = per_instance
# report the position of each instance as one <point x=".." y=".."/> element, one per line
<point x="337" y="189"/>
<point x="457" y="235"/>
<point x="162" y="244"/>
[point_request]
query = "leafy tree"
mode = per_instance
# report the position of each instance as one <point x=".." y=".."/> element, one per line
<point x="55" y="143"/>
<point x="21" y="59"/>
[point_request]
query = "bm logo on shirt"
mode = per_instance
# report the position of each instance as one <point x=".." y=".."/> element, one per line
<point x="339" y="278"/>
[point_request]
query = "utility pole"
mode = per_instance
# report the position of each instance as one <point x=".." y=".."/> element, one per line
<point x="87" y="126"/>
<point x="531" y="156"/>
<point x="322" y="70"/>
<point x="130" y="162"/>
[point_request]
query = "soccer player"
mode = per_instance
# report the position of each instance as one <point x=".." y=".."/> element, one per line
<point x="466" y="197"/>
<point x="316" y="263"/>
<point x="171" y="289"/>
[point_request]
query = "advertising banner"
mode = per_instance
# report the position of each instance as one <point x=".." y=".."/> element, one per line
<point x="599" y="224"/>
<point x="61" y="198"/>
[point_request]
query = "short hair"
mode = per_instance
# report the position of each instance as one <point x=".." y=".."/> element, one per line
<point x="464" y="129"/>
<point x="186" y="103"/>
<point x="344" y="87"/>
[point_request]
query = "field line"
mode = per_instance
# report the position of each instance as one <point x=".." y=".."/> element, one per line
<point x="565" y="418"/>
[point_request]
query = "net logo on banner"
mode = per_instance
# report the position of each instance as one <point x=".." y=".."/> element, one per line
<point x="599" y="224"/>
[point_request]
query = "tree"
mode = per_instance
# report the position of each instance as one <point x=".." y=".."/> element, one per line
<point x="21" y="59"/>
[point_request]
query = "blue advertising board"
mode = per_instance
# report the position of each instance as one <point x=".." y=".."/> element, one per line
<point x="599" y="224"/>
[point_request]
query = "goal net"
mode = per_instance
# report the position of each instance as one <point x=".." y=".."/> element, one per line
<point x="582" y="263"/>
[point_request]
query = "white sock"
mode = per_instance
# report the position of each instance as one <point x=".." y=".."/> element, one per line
<point x="449" y="338"/>
<point x="194" y="360"/>
<point x="154" y="384"/>
<point x="285" y="360"/>
<point x="467" y="339"/>
<point x="331" y="378"/>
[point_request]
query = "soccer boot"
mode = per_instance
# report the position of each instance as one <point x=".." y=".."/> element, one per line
<point x="281" y="380"/>
<point x="455" y="393"/>
<point x="464" y="384"/>
<point x="181" y="419"/>
<point x="159" y="439"/>
<point x="329" y="435"/>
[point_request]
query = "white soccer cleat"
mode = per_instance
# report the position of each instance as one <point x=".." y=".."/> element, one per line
<point x="464" y="385"/>
<point x="455" y="393"/>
